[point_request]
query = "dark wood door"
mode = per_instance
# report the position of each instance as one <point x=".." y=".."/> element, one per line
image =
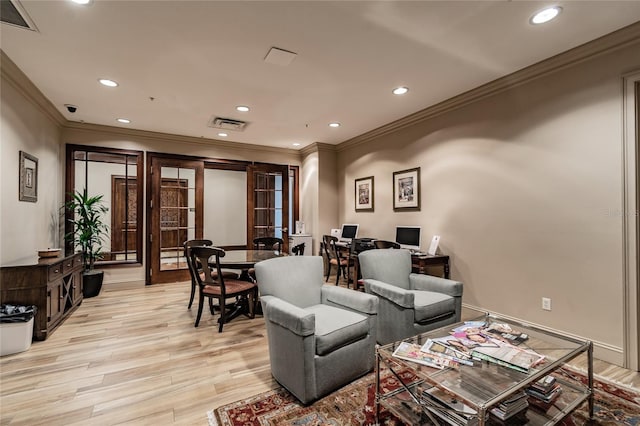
<point x="268" y="202"/>
<point x="176" y="208"/>
<point x="124" y="218"/>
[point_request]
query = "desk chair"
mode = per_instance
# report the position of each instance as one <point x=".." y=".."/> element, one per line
<point x="245" y="292"/>
<point x="298" y="250"/>
<point x="335" y="258"/>
<point x="196" y="269"/>
<point x="383" y="244"/>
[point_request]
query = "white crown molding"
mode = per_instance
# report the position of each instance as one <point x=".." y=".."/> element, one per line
<point x="317" y="147"/>
<point x="167" y="137"/>
<point x="14" y="76"/>
<point x="616" y="40"/>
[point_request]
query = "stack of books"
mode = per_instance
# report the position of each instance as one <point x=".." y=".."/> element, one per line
<point x="511" y="409"/>
<point x="543" y="393"/>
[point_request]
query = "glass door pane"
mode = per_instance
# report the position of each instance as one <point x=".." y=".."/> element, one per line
<point x="177" y="215"/>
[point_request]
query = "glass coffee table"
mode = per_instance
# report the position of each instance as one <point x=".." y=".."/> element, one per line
<point x="469" y="390"/>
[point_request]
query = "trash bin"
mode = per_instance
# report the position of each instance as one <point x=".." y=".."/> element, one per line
<point x="16" y="328"/>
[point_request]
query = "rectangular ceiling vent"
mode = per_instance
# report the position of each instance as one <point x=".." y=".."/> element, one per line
<point x="12" y="13"/>
<point x="227" y="124"/>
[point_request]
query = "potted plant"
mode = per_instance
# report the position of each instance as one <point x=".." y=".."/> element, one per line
<point x="86" y="214"/>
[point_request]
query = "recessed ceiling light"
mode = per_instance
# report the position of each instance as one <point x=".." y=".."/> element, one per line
<point x="107" y="82"/>
<point x="400" y="90"/>
<point x="81" y="1"/>
<point x="123" y="120"/>
<point x="222" y="134"/>
<point x="296" y="144"/>
<point x="545" y="15"/>
<point x="242" y="108"/>
<point x="334" y="124"/>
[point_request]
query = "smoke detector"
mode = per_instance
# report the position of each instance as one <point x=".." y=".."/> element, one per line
<point x="227" y="124"/>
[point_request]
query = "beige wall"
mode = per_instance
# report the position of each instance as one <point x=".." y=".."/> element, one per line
<point x="525" y="189"/>
<point x="26" y="227"/>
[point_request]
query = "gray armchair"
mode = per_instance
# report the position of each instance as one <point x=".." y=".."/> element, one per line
<point x="320" y="337"/>
<point x="410" y="304"/>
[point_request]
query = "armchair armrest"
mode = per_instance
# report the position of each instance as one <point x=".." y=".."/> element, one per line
<point x="354" y="300"/>
<point x="289" y="316"/>
<point x="397" y="295"/>
<point x="437" y="284"/>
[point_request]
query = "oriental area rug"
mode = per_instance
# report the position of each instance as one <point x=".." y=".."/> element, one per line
<point x="353" y="405"/>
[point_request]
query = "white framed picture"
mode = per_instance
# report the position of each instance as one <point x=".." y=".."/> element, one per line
<point x="406" y="190"/>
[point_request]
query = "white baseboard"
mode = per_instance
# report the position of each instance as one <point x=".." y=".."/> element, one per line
<point x="603" y="351"/>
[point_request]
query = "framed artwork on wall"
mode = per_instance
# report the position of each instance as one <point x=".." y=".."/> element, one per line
<point x="28" y="179"/>
<point x="406" y="190"/>
<point x="364" y="194"/>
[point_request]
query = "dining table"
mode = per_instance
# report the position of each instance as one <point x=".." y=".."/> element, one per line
<point x="244" y="260"/>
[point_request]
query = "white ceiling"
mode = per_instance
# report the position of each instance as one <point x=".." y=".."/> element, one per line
<point x="199" y="59"/>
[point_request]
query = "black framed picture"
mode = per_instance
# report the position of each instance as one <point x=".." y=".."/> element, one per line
<point x="28" y="179"/>
<point x="406" y="190"/>
<point x="364" y="194"/>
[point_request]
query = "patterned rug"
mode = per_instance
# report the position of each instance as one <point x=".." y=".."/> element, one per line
<point x="354" y="405"/>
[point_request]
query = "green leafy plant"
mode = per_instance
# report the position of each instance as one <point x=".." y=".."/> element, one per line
<point x="86" y="214"/>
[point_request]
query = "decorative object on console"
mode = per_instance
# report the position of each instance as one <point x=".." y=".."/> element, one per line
<point x="28" y="178"/>
<point x="433" y="247"/>
<point x="406" y="190"/>
<point x="50" y="252"/>
<point x="364" y="194"/>
<point x="87" y="234"/>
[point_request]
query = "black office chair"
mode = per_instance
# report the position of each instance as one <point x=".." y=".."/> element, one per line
<point x="298" y="250"/>
<point x="382" y="244"/>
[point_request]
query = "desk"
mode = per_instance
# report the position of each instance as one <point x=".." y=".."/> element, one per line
<point x="419" y="263"/>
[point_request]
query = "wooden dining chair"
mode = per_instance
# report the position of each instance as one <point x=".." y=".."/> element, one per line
<point x="197" y="269"/>
<point x="335" y="258"/>
<point x="245" y="292"/>
<point x="268" y="243"/>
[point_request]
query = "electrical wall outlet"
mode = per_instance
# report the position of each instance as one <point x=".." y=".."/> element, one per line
<point x="546" y="303"/>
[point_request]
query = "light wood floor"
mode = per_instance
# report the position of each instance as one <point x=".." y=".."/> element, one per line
<point x="134" y="357"/>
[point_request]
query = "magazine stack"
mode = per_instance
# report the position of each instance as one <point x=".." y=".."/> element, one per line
<point x="543" y="393"/>
<point x="455" y="412"/>
<point x="512" y="410"/>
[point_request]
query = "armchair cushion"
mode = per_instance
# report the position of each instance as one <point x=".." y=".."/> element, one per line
<point x="337" y="327"/>
<point x="430" y="305"/>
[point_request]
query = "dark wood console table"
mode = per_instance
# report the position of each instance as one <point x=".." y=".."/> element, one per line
<point x="54" y="285"/>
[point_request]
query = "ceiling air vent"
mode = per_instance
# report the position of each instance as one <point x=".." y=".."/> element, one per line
<point x="227" y="124"/>
<point x="12" y="13"/>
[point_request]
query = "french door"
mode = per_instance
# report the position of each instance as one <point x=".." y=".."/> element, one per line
<point x="176" y="215"/>
<point x="268" y="202"/>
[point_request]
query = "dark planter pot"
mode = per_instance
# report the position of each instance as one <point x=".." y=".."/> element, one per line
<point x="92" y="283"/>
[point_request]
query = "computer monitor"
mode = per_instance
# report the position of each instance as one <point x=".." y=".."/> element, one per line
<point x="408" y="237"/>
<point x="349" y="232"/>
